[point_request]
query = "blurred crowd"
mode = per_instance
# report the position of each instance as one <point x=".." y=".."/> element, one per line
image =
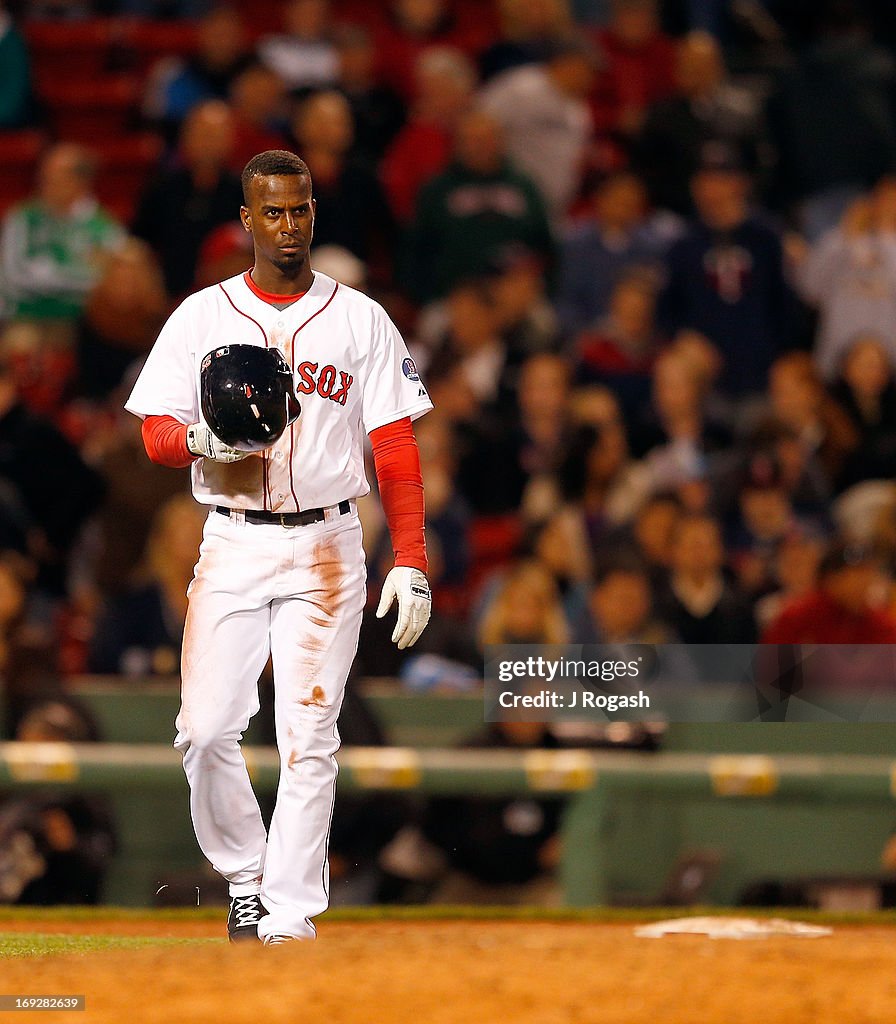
<point x="643" y="253"/>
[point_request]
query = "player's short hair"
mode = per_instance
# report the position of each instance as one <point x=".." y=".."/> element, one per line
<point x="270" y="163"/>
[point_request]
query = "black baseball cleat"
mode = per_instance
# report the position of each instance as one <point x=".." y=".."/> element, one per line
<point x="242" y="921"/>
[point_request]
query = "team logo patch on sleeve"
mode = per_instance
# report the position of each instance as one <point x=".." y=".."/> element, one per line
<point x="409" y="369"/>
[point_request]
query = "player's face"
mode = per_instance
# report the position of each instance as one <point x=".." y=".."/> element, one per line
<point x="280" y="217"/>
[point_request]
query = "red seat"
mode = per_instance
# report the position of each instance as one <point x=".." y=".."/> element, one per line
<point x="149" y="41"/>
<point x="87" y="111"/>
<point x="19" y="153"/>
<point x="20" y="149"/>
<point x="262" y="17"/>
<point x="125" y="165"/>
<point x="63" y="51"/>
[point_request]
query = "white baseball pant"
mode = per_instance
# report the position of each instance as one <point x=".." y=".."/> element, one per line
<point x="296" y="593"/>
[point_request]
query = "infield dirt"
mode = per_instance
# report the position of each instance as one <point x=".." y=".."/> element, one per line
<point x="466" y="972"/>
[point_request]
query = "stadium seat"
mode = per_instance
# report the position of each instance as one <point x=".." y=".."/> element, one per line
<point x="64" y="52"/>
<point x="19" y="153"/>
<point x="262" y="17"/>
<point x="126" y="163"/>
<point x="91" y="109"/>
<point x="146" y="42"/>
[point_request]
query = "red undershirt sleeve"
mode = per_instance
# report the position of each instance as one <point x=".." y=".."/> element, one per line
<point x="165" y="441"/>
<point x="397" y="462"/>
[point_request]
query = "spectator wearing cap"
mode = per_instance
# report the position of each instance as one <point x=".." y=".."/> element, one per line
<point x="547" y="125"/>
<point x="842" y="609"/>
<point x="698" y="602"/>
<point x="467" y="215"/>
<point x="726" y="277"/>
<point x="706" y="106"/>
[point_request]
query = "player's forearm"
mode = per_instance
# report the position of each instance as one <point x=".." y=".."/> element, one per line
<point x="397" y="462"/>
<point x="403" y="505"/>
<point x="165" y="441"/>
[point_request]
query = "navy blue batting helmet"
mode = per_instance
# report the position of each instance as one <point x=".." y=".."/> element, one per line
<point x="247" y="395"/>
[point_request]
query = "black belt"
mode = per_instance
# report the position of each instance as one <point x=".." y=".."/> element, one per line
<point x="306" y="518"/>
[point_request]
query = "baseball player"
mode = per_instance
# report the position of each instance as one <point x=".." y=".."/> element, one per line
<point x="281" y="569"/>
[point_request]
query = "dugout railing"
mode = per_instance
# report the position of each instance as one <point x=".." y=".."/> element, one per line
<point x="628" y="815"/>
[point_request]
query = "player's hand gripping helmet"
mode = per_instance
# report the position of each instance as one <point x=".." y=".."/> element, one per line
<point x="247" y="395"/>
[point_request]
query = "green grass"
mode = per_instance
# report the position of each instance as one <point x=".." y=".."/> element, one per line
<point x="28" y="944"/>
<point x="109" y="913"/>
<point x="48" y="943"/>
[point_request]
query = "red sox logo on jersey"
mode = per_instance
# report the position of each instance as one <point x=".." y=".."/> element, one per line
<point x="325" y="382"/>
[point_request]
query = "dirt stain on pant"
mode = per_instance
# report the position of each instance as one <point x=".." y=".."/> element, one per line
<point x="318" y="698"/>
<point x="325" y="597"/>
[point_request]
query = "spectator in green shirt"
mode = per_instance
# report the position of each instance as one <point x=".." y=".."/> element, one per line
<point x="51" y="247"/>
<point x="470" y="213"/>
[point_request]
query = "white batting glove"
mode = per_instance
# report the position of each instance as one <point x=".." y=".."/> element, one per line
<point x="201" y="441"/>
<point x="411" y="588"/>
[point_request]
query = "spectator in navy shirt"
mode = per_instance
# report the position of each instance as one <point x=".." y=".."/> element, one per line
<point x="600" y="249"/>
<point x="726" y="277"/>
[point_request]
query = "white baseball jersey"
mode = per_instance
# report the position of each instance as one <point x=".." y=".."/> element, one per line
<point x="352" y="371"/>
<point x="293" y="592"/>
